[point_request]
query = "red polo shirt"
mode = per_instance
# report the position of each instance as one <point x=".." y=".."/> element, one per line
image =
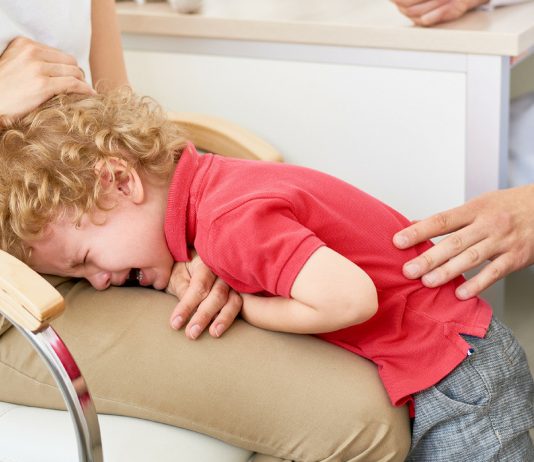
<point x="255" y="224"/>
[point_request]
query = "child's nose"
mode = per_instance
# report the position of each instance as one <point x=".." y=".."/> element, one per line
<point x="100" y="281"/>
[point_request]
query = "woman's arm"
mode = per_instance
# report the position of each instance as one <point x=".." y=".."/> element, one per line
<point x="106" y="58"/>
<point x="329" y="293"/>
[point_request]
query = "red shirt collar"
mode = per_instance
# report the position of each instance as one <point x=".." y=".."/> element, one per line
<point x="177" y="203"/>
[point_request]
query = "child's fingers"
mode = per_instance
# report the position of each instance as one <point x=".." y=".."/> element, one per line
<point x="208" y="309"/>
<point x="227" y="315"/>
<point x="196" y="291"/>
<point x="179" y="281"/>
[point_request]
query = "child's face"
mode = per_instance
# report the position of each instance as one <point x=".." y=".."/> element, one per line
<point x="105" y="254"/>
<point x="108" y="245"/>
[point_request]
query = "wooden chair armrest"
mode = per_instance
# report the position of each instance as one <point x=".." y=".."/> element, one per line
<point x="25" y="297"/>
<point x="220" y="136"/>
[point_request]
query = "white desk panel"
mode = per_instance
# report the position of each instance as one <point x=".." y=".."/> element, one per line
<point x="383" y="129"/>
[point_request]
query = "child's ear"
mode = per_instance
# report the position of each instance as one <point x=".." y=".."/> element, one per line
<point x="127" y="184"/>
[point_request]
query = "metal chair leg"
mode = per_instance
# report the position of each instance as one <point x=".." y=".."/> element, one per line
<point x="73" y="388"/>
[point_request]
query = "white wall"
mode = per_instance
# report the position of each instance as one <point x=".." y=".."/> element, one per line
<point x="397" y="133"/>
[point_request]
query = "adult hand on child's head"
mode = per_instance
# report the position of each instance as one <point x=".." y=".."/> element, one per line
<point x="204" y="299"/>
<point x="31" y="73"/>
<point x="497" y="226"/>
<point x="432" y="12"/>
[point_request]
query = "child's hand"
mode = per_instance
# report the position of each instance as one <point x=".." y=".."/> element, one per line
<point x="204" y="299"/>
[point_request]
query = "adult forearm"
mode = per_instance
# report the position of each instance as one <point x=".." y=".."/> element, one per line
<point x="106" y="58"/>
<point x="289" y="315"/>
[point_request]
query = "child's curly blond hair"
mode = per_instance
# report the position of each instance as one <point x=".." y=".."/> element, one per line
<point x="51" y="160"/>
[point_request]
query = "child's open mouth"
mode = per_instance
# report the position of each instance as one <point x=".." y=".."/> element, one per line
<point x="134" y="277"/>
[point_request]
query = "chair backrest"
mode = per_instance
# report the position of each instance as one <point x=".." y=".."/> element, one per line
<point x="220" y="136"/>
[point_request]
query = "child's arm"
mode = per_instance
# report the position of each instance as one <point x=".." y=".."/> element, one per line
<point x="329" y="293"/>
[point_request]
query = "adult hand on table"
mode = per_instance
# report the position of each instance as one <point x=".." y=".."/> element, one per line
<point x="204" y="299"/>
<point x="31" y="73"/>
<point x="432" y="12"/>
<point x="497" y="226"/>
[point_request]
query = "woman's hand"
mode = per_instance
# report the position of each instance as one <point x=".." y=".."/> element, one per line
<point x="432" y="12"/>
<point x="497" y="226"/>
<point x="31" y="73"/>
<point x="204" y="299"/>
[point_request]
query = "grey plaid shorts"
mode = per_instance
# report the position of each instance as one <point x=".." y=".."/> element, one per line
<point x="482" y="411"/>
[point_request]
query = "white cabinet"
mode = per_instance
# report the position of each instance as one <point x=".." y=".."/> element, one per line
<point x="396" y="132"/>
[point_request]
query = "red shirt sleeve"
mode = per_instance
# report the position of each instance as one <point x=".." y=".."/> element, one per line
<point x="260" y="246"/>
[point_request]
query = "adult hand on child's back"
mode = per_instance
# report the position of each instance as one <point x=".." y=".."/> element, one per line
<point x="204" y="299"/>
<point x="31" y="73"/>
<point x="497" y="226"/>
<point x="432" y="12"/>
